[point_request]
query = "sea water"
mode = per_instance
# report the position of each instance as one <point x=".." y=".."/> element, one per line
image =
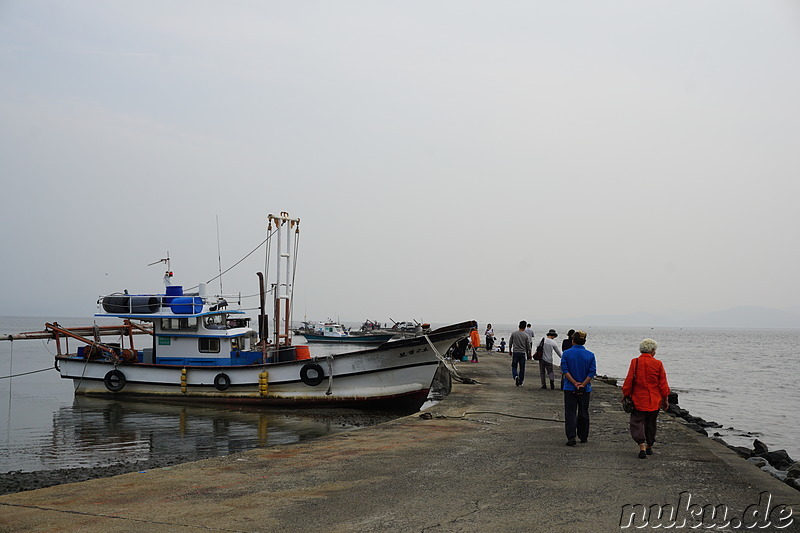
<point x="44" y="426"/>
<point x="742" y="379"/>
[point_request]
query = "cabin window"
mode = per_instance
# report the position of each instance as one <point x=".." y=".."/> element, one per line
<point x="216" y="321"/>
<point x="207" y="345"/>
<point x="179" y="324"/>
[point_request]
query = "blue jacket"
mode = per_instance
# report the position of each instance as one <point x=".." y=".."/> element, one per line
<point x="580" y="363"/>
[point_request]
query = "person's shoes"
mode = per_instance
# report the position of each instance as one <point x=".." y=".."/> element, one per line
<point x="642" y="454"/>
<point x="552" y="385"/>
<point x="583" y="441"/>
<point x="544" y="386"/>
<point x="516" y="380"/>
<point x="649" y="451"/>
<point x="571" y="442"/>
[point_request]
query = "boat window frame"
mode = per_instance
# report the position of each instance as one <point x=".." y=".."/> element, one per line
<point x="184" y="323"/>
<point x="209" y="344"/>
<point x="216" y="321"/>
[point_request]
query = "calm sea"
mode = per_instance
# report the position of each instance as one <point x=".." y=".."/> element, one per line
<point x="740" y="379"/>
<point x="44" y="426"/>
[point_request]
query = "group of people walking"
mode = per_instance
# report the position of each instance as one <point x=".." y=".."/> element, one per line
<point x="645" y="384"/>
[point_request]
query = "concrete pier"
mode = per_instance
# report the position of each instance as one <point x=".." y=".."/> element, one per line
<point x="491" y="457"/>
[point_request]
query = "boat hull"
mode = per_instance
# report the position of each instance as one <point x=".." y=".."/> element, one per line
<point x="350" y="339"/>
<point x="393" y="374"/>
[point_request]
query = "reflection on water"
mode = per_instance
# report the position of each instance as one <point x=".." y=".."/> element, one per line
<point x="99" y="432"/>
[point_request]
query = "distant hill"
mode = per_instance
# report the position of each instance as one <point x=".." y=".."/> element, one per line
<point x="736" y="317"/>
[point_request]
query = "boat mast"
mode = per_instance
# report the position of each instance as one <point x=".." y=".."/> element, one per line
<point x="283" y="287"/>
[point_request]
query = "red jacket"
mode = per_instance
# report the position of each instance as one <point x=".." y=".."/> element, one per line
<point x="475" y="338"/>
<point x="651" y="385"/>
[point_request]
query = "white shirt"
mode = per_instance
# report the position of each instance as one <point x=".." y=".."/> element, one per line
<point x="550" y="345"/>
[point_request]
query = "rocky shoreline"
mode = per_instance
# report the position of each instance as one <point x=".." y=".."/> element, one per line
<point x="19" y="481"/>
<point x="776" y="463"/>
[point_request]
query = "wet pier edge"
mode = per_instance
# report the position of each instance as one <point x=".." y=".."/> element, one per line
<point x="490" y="457"/>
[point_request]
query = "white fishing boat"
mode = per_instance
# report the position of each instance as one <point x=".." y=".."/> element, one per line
<point x="331" y="332"/>
<point x="199" y="349"/>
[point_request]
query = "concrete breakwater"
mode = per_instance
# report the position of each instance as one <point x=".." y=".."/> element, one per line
<point x="776" y="463"/>
<point x="490" y="457"/>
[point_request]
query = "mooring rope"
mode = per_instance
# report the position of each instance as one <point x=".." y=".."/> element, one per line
<point x="26" y="373"/>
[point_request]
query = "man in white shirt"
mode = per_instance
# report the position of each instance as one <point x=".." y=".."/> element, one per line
<point x="546" y="363"/>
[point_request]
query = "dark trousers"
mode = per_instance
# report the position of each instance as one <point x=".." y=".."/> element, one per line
<point x="643" y="426"/>
<point x="546" y="368"/>
<point x="518" y="359"/>
<point x="576" y="414"/>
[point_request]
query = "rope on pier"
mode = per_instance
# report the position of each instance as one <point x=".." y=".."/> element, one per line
<point x="430" y="416"/>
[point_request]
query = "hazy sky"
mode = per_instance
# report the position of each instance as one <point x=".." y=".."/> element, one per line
<point x="450" y="160"/>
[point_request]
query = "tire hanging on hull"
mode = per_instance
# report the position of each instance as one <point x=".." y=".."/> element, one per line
<point x="312" y="381"/>
<point x="114" y="380"/>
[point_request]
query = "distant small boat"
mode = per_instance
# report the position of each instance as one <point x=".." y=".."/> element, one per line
<point x="331" y="332"/>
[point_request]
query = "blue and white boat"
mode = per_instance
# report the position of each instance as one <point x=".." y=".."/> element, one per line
<point x="198" y="349"/>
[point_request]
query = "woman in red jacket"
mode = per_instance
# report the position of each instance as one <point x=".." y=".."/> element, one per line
<point x="475" y="340"/>
<point x="646" y="383"/>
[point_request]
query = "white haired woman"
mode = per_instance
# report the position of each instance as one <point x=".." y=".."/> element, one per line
<point x="646" y="383"/>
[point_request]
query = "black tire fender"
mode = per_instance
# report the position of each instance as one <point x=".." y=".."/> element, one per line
<point x="312" y="381"/>
<point x="114" y="380"/>
<point x="222" y="381"/>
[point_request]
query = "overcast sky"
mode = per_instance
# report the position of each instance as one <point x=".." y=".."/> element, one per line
<point x="449" y="160"/>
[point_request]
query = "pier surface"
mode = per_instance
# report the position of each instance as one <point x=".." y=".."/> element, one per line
<point x="491" y="458"/>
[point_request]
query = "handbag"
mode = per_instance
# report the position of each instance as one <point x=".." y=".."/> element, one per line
<point x="627" y="401"/>
<point x="537" y="355"/>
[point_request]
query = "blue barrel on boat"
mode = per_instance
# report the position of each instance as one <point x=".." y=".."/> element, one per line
<point x="172" y="292"/>
<point x="131" y="304"/>
<point x="187" y="305"/>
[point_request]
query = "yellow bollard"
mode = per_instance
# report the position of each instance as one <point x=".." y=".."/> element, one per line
<point x="263" y="382"/>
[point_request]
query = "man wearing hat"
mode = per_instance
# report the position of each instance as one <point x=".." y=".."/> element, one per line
<point x="579" y="367"/>
<point x="546" y="362"/>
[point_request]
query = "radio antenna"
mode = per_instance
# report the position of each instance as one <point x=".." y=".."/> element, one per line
<point x="168" y="273"/>
<point x="219" y="258"/>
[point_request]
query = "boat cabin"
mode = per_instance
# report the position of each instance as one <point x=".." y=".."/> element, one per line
<point x="187" y="331"/>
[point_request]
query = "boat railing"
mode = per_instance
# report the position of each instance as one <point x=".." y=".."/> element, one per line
<point x="121" y="303"/>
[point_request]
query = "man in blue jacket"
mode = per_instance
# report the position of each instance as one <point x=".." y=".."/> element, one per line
<point x="578" y="366"/>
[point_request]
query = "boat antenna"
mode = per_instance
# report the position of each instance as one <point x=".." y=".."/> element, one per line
<point x="168" y="273"/>
<point x="219" y="258"/>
